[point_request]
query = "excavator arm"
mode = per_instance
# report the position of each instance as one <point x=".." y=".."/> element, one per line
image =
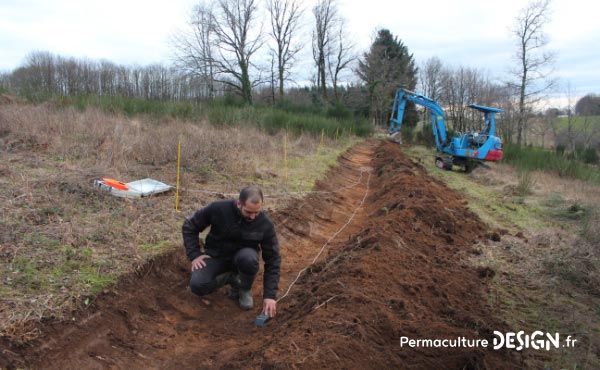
<point x="436" y="113"/>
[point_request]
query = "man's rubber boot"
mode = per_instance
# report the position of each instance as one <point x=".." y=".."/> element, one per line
<point x="234" y="290"/>
<point x="245" y="291"/>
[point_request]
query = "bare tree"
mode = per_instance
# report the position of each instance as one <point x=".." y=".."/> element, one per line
<point x="5" y="81"/>
<point x="458" y="93"/>
<point x="571" y="133"/>
<point x="463" y="86"/>
<point x="45" y="74"/>
<point x="285" y="21"/>
<point x="194" y="48"/>
<point x="237" y="44"/>
<point x="325" y="14"/>
<point x="37" y="75"/>
<point x="544" y="125"/>
<point x="430" y="79"/>
<point x="505" y="122"/>
<point x="221" y="47"/>
<point x="530" y="78"/>
<point x="340" y="57"/>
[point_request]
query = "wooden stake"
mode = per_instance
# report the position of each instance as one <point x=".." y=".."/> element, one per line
<point x="285" y="157"/>
<point x="177" y="184"/>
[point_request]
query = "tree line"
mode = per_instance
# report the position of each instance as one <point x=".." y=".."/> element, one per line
<point x="44" y="74"/>
<point x="250" y="48"/>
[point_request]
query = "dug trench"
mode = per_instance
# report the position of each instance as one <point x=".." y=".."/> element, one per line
<point x="395" y="245"/>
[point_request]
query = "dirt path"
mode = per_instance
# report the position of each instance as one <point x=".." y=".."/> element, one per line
<point x="396" y="269"/>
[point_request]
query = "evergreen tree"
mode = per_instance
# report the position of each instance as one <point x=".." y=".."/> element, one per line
<point x="384" y="68"/>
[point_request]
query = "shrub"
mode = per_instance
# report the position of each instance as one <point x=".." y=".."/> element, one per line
<point x="526" y="183"/>
<point x="531" y="159"/>
<point x="590" y="156"/>
<point x="425" y="137"/>
<point x="339" y="112"/>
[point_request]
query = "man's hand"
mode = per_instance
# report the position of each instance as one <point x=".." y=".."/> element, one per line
<point x="199" y="263"/>
<point x="270" y="307"/>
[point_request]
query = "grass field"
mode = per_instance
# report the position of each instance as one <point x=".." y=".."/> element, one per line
<point x="545" y="258"/>
<point x="580" y="123"/>
<point x="63" y="241"/>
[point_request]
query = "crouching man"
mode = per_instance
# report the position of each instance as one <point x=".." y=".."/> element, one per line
<point x="238" y="230"/>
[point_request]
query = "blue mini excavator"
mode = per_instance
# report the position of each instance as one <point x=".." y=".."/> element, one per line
<point x="464" y="149"/>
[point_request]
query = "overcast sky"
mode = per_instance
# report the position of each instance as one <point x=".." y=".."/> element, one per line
<point x="471" y="33"/>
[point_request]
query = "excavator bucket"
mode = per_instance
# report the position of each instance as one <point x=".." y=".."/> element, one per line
<point x="396" y="137"/>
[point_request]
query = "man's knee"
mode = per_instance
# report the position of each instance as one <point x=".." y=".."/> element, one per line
<point x="201" y="283"/>
<point x="246" y="261"/>
<point x="201" y="289"/>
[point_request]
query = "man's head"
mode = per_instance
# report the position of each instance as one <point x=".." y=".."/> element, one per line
<point x="250" y="202"/>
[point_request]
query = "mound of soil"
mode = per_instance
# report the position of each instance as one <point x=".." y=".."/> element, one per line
<point x="396" y="267"/>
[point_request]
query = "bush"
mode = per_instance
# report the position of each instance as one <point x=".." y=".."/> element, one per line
<point x="531" y="159"/>
<point x="231" y="111"/>
<point x="425" y="137"/>
<point x="273" y="119"/>
<point x="526" y="183"/>
<point x="590" y="156"/>
<point x="131" y="107"/>
<point x="339" y="112"/>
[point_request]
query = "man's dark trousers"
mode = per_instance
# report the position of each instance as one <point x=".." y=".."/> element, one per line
<point x="244" y="262"/>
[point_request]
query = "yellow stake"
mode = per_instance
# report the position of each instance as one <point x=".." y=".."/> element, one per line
<point x="321" y="143"/>
<point x="177" y="185"/>
<point x="336" y="133"/>
<point x="285" y="176"/>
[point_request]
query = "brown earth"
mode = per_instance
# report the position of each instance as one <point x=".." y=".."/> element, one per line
<point x="399" y="268"/>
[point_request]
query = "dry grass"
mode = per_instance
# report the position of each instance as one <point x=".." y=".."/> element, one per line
<point x="97" y="139"/>
<point x="547" y="262"/>
<point x="550" y="276"/>
<point x="62" y="241"/>
<point x="544" y="184"/>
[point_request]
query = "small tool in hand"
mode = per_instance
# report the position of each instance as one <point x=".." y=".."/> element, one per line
<point x="261" y="319"/>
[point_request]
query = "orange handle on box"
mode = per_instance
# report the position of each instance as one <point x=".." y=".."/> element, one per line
<point x="115" y="184"/>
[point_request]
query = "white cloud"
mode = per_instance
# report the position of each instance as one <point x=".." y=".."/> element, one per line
<point x="472" y="33"/>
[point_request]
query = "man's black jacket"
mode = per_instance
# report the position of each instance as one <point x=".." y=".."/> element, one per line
<point x="229" y="232"/>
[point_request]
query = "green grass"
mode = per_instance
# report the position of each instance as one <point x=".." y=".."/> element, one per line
<point x="532" y="159"/>
<point x="579" y="123"/>
<point x="67" y="266"/>
<point x="273" y="119"/>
